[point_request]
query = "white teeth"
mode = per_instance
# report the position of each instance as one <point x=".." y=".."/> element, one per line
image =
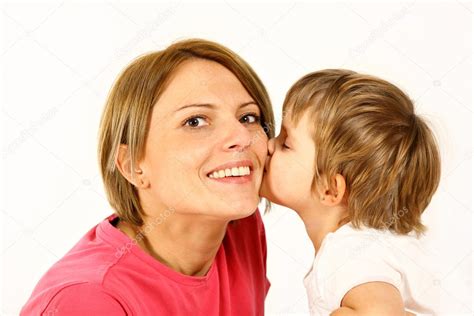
<point x="234" y="172"/>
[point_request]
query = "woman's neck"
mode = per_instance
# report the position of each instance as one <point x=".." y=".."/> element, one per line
<point x="186" y="243"/>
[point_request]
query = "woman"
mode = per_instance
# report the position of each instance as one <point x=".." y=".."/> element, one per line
<point x="182" y="145"/>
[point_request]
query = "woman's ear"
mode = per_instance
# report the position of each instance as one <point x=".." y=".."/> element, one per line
<point x="124" y="165"/>
<point x="333" y="195"/>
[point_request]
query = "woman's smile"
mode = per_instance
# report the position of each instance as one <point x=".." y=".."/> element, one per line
<point x="238" y="172"/>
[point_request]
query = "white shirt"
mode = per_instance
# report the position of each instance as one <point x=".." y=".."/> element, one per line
<point x="350" y="257"/>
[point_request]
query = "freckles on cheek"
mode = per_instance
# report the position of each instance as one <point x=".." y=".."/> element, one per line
<point x="259" y="146"/>
<point x="193" y="154"/>
<point x="261" y="157"/>
<point x="260" y="141"/>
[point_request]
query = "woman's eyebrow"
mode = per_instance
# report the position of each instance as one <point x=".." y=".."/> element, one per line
<point x="211" y="106"/>
<point x="197" y="105"/>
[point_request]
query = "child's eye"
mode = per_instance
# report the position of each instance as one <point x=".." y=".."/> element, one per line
<point x="250" y="118"/>
<point x="283" y="144"/>
<point x="194" y="121"/>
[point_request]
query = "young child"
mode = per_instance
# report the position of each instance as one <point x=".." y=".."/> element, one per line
<point x="359" y="167"/>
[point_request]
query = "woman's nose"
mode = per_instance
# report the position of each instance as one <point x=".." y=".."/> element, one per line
<point x="239" y="137"/>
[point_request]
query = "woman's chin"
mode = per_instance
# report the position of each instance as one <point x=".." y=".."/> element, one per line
<point x="241" y="209"/>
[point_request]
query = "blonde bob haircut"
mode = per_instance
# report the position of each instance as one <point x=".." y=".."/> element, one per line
<point x="365" y="129"/>
<point x="127" y="112"/>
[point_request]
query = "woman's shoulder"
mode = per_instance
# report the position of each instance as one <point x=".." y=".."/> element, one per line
<point x="80" y="272"/>
<point x="76" y="299"/>
<point x="87" y="261"/>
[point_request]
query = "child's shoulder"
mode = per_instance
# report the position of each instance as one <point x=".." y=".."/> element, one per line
<point x="352" y="256"/>
<point x="349" y="234"/>
<point x="353" y="246"/>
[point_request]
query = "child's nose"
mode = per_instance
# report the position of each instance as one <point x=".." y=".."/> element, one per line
<point x="271" y="146"/>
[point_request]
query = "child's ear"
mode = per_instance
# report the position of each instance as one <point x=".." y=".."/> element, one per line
<point x="333" y="195"/>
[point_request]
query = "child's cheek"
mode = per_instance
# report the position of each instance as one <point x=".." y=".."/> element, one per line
<point x="280" y="165"/>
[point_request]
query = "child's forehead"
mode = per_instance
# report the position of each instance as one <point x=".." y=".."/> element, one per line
<point x="292" y="120"/>
<point x="289" y="127"/>
<point x="288" y="120"/>
<point x="292" y="125"/>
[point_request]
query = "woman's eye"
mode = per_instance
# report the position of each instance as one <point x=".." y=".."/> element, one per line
<point x="250" y="118"/>
<point x="285" y="146"/>
<point x="195" y="121"/>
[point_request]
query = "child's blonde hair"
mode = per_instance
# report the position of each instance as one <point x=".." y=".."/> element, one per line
<point x="366" y="130"/>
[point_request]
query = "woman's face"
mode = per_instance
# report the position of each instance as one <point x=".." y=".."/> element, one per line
<point x="203" y="128"/>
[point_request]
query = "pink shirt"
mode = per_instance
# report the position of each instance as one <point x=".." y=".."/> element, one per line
<point x="106" y="273"/>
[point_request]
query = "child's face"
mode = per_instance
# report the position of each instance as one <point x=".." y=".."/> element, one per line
<point x="289" y="168"/>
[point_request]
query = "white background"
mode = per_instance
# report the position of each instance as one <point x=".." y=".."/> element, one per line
<point x="58" y="61"/>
